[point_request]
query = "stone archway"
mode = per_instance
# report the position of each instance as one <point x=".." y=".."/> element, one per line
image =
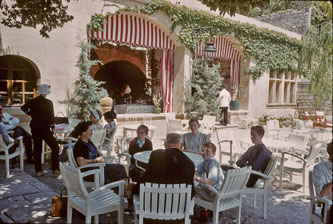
<point x="120" y="72"/>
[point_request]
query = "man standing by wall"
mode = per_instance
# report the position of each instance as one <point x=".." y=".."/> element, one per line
<point x="42" y="128"/>
<point x="225" y="99"/>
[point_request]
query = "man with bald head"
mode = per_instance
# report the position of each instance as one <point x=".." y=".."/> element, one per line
<point x="170" y="165"/>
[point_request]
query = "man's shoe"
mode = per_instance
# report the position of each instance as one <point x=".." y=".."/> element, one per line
<point x="55" y="174"/>
<point x="41" y="173"/>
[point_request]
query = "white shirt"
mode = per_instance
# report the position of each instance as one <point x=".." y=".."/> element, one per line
<point x="321" y="175"/>
<point x="224" y="98"/>
<point x="13" y="121"/>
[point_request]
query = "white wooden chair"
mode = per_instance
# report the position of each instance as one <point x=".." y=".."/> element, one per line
<point x="272" y="129"/>
<point x="73" y="163"/>
<point x="73" y="122"/>
<point x="100" y="201"/>
<point x="163" y="202"/>
<point x="265" y="178"/>
<point x="299" y="143"/>
<point x="175" y="126"/>
<point x="98" y="138"/>
<point x="208" y="124"/>
<point x="298" y="166"/>
<point x="122" y="152"/>
<point x="225" y="136"/>
<point x="229" y="195"/>
<point x="315" y="205"/>
<point x="19" y="152"/>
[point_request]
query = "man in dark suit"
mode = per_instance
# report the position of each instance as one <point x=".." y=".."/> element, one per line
<point x="170" y="165"/>
<point x="42" y="128"/>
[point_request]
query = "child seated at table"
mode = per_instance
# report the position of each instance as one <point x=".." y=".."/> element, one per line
<point x="256" y="156"/>
<point x="212" y="169"/>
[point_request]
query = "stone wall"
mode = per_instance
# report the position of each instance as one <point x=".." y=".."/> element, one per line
<point x="305" y="100"/>
<point x="295" y="21"/>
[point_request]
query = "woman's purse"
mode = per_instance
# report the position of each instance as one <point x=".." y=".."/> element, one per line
<point x="59" y="205"/>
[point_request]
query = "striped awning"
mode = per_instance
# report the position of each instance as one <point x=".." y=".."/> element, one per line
<point x="136" y="31"/>
<point x="224" y="50"/>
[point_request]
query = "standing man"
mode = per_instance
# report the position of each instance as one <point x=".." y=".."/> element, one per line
<point x="42" y="128"/>
<point x="224" y="99"/>
<point x="10" y="123"/>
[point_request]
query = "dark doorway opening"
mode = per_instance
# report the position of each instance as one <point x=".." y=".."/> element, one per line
<point x="118" y="73"/>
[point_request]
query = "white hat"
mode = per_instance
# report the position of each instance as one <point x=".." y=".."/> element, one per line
<point x="43" y="89"/>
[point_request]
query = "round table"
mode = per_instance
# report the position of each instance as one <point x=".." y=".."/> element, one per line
<point x="133" y="127"/>
<point x="144" y="157"/>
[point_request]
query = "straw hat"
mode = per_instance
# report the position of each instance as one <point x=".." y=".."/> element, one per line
<point x="43" y="89"/>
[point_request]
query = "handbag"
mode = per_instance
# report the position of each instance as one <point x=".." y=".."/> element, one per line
<point x="59" y="205"/>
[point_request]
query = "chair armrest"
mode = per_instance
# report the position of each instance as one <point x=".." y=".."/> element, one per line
<point x="90" y="172"/>
<point x="120" y="183"/>
<point x="211" y="188"/>
<point x="291" y="154"/>
<point x="125" y="154"/>
<point x="260" y="174"/>
<point x="320" y="199"/>
<point x="99" y="165"/>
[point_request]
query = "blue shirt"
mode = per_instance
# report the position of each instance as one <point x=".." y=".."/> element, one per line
<point x="212" y="170"/>
<point x="255" y="156"/>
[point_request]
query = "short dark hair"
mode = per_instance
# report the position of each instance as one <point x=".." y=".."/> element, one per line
<point x="209" y="145"/>
<point x="258" y="129"/>
<point x="330" y="148"/>
<point x="110" y="115"/>
<point x="223" y="86"/>
<point x="80" y="128"/>
<point x="144" y="128"/>
<point x="193" y="120"/>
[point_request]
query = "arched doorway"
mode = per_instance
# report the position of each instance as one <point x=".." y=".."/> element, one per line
<point x="18" y="80"/>
<point x="118" y="73"/>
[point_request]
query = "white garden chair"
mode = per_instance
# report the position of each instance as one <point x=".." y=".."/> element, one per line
<point x="73" y="163"/>
<point x="273" y="129"/>
<point x="100" y="201"/>
<point x="299" y="143"/>
<point x="229" y="195"/>
<point x="265" y="178"/>
<point x="208" y="124"/>
<point x="225" y="136"/>
<point x="175" y="126"/>
<point x="163" y="202"/>
<point x="98" y="138"/>
<point x="315" y="210"/>
<point x="73" y="122"/>
<point x="19" y="152"/>
<point x="301" y="165"/>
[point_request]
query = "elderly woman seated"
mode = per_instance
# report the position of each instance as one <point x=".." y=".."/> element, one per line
<point x="85" y="152"/>
<point x="194" y="140"/>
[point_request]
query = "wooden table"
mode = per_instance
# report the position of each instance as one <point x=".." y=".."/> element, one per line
<point x="133" y="128"/>
<point x="145" y="155"/>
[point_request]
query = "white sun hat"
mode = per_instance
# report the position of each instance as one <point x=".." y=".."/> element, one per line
<point x="43" y="89"/>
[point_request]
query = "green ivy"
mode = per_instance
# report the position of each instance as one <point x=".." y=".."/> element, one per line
<point x="272" y="49"/>
<point x="97" y="22"/>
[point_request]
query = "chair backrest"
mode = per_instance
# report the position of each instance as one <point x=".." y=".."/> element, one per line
<point x="299" y="124"/>
<point x="273" y="125"/>
<point x="98" y="138"/>
<point x="269" y="170"/>
<point x="123" y="144"/>
<point x="299" y="140"/>
<point x="70" y="154"/>
<point x="165" y="201"/>
<point x="235" y="181"/>
<point x="225" y="135"/>
<point x="311" y="186"/>
<point x="207" y="124"/>
<point x="314" y="152"/>
<point x="174" y="126"/>
<point x="73" y="180"/>
<point x="2" y="144"/>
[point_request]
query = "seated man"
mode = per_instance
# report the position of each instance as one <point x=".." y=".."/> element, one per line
<point x="10" y="123"/>
<point x="170" y="165"/>
<point x="256" y="156"/>
<point x="322" y="177"/>
<point x="212" y="169"/>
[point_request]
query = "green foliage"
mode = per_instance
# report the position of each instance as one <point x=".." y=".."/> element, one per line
<point x="86" y="96"/>
<point x="271" y="49"/>
<point x="315" y="61"/>
<point x="206" y="83"/>
<point x="232" y="7"/>
<point x="283" y="121"/>
<point x="47" y="15"/>
<point x="97" y="22"/>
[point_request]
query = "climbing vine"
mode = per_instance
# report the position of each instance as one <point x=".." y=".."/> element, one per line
<point x="271" y="49"/>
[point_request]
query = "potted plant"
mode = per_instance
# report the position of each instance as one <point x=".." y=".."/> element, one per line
<point x="157" y="99"/>
<point x="238" y="90"/>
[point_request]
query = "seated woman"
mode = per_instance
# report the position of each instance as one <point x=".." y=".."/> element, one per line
<point x="194" y="140"/>
<point x="85" y="152"/>
<point x="139" y="144"/>
<point x="95" y="117"/>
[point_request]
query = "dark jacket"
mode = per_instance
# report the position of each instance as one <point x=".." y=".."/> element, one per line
<point x="41" y="111"/>
<point x="134" y="148"/>
<point x="169" y="166"/>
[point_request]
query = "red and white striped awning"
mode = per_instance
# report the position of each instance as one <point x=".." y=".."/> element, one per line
<point x="225" y="50"/>
<point x="132" y="30"/>
<point x="136" y="31"/>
